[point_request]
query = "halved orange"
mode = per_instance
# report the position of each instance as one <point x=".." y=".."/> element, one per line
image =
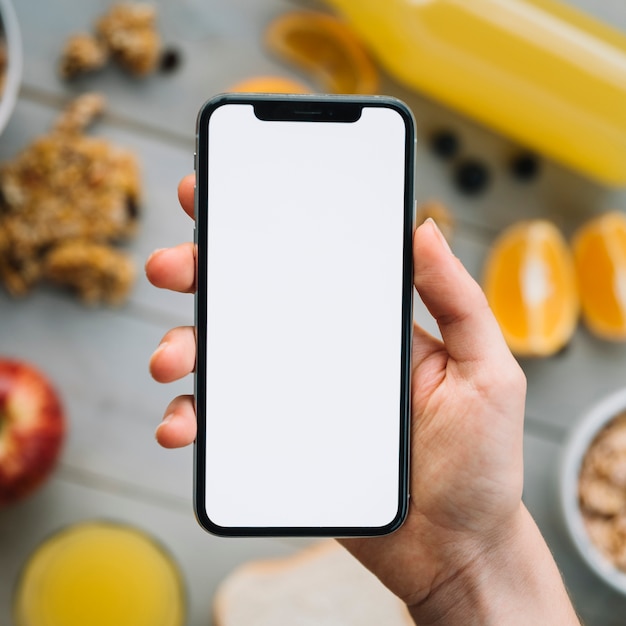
<point x="530" y="284"/>
<point x="269" y="84"/>
<point x="325" y="47"/>
<point x="599" y="248"/>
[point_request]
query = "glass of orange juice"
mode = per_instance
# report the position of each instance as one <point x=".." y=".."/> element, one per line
<point x="100" y="573"/>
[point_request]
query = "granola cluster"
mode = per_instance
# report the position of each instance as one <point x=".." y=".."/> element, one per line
<point x="602" y="491"/>
<point x="65" y="201"/>
<point x="127" y="34"/>
<point x="83" y="53"/>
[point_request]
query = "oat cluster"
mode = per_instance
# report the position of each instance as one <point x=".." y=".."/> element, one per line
<point x="602" y="491"/>
<point x="82" y="53"/>
<point x="127" y="34"/>
<point x="65" y="201"/>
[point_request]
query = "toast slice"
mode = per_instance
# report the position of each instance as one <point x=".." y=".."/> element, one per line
<point x="322" y="585"/>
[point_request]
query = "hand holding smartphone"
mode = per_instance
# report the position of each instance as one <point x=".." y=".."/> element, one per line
<point x="304" y="221"/>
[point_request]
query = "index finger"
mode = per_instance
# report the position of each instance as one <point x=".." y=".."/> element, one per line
<point x="186" y="191"/>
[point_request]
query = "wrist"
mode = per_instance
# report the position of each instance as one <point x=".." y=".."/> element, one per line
<point x="510" y="578"/>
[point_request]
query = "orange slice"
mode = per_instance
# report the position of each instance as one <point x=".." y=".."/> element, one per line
<point x="599" y="248"/>
<point x="530" y="284"/>
<point x="269" y="84"/>
<point x="325" y="47"/>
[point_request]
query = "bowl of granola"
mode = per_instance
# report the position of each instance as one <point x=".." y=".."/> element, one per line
<point x="10" y="61"/>
<point x="593" y="488"/>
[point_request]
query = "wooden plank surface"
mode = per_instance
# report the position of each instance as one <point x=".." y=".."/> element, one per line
<point x="111" y="465"/>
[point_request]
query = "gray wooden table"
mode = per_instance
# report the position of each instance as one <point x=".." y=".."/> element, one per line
<point x="111" y="466"/>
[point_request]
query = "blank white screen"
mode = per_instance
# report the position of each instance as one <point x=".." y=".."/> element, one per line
<point x="304" y="284"/>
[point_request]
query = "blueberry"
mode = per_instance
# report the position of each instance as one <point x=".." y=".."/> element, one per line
<point x="445" y="144"/>
<point x="471" y="176"/>
<point x="170" y="60"/>
<point x="524" y="166"/>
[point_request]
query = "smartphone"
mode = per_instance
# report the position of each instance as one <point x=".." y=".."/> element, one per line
<point x="304" y="222"/>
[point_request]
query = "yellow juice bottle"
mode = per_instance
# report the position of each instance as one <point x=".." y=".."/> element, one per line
<point x="99" y="574"/>
<point x="539" y="71"/>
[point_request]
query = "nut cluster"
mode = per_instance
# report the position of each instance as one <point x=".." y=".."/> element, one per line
<point x="602" y="491"/>
<point x="64" y="201"/>
<point x="127" y="34"/>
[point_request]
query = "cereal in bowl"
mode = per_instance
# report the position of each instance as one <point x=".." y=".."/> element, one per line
<point x="602" y="491"/>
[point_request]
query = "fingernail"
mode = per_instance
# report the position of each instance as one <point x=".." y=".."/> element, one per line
<point x="166" y="420"/>
<point x="155" y="354"/>
<point x="161" y="347"/>
<point x="153" y="254"/>
<point x="442" y="239"/>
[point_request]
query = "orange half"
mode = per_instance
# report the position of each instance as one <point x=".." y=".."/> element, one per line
<point x="326" y="48"/>
<point x="599" y="248"/>
<point x="530" y="283"/>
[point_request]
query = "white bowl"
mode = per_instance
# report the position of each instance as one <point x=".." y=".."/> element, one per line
<point x="575" y="449"/>
<point x="13" y="42"/>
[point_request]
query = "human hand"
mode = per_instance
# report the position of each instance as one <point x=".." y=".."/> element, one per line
<point x="466" y="520"/>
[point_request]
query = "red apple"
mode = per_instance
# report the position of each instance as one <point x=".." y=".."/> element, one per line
<point x="32" y="429"/>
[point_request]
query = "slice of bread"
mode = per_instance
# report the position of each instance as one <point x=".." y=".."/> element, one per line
<point x="322" y="585"/>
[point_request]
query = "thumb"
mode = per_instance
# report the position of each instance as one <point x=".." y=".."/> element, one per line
<point x="468" y="328"/>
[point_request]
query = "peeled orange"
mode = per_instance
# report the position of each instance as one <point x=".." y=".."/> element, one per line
<point x="530" y="283"/>
<point x="599" y="248"/>
<point x="269" y="84"/>
<point x="326" y="48"/>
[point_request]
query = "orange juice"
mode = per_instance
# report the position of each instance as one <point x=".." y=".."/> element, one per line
<point x="539" y="71"/>
<point x="100" y="574"/>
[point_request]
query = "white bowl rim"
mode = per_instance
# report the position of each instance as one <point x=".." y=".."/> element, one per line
<point x="8" y="97"/>
<point x="576" y="445"/>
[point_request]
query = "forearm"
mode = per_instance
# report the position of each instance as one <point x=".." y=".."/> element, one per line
<point x="514" y="582"/>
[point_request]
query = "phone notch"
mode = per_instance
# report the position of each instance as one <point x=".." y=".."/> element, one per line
<point x="308" y="111"/>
